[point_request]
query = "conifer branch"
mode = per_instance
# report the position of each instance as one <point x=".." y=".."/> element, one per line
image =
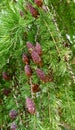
<point x="60" y="37"/>
<point x="52" y="38"/>
<point x="69" y="105"/>
<point x="54" y="105"/>
<point x="37" y="33"/>
<point x="70" y="71"/>
<point x="16" y="84"/>
<point x="56" y="25"/>
<point x="17" y="104"/>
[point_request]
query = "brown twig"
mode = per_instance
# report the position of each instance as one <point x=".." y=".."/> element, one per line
<point x="32" y="94"/>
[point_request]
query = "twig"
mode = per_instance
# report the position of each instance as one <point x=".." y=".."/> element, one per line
<point x="32" y="94"/>
<point x="17" y="104"/>
<point x="70" y="71"/>
<point x="16" y="84"/>
<point x="37" y="33"/>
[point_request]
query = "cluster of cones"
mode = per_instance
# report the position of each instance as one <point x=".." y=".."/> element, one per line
<point x="34" y="12"/>
<point x="35" y="54"/>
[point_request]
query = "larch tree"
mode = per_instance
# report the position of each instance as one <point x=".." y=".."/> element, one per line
<point x="37" y="65"/>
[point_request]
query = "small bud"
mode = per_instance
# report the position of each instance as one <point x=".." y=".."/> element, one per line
<point x="30" y="47"/>
<point x="25" y="58"/>
<point x="28" y="70"/>
<point x="13" y="114"/>
<point x="38" y="48"/>
<point x="6" y="91"/>
<point x="13" y="126"/>
<point x="39" y="3"/>
<point x="49" y="78"/>
<point x="35" y="57"/>
<point x="35" y="88"/>
<point x="30" y="106"/>
<point x="6" y="76"/>
<point x="32" y="10"/>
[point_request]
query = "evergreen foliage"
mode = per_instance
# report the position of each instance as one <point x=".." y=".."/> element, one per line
<point x="54" y="97"/>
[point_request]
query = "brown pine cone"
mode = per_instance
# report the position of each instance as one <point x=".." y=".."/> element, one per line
<point x="35" y="88"/>
<point x="6" y="91"/>
<point x="32" y="10"/>
<point x="6" y="76"/>
<point x="25" y="59"/>
<point x="39" y="3"/>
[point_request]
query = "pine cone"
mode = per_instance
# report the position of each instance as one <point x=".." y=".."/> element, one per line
<point x="30" y="106"/>
<point x="32" y="10"/>
<point x="13" y="114"/>
<point x="25" y="59"/>
<point x="28" y="70"/>
<point x="30" y="47"/>
<point x="6" y="91"/>
<point x="35" y="57"/>
<point x="45" y="78"/>
<point x="39" y="3"/>
<point x="35" y="88"/>
<point x="38" y="48"/>
<point x="41" y="75"/>
<point x="13" y="126"/>
<point x="6" y="76"/>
